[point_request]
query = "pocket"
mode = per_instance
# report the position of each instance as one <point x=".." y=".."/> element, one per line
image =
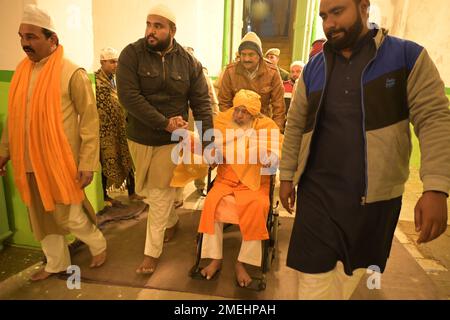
<point x="178" y="84"/>
<point x="149" y="80"/>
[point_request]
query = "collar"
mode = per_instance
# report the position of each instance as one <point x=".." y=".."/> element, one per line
<point x="171" y="49"/>
<point x="252" y="75"/>
<point x="260" y="69"/>
<point x="378" y="38"/>
<point x="42" y="62"/>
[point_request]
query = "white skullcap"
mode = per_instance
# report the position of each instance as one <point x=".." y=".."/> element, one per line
<point x="37" y="17"/>
<point x="298" y="63"/>
<point x="109" y="54"/>
<point x="163" y="11"/>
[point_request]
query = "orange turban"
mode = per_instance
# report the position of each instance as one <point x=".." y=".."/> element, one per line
<point x="249" y="99"/>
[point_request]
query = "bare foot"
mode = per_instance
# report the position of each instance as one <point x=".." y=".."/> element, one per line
<point x="243" y="278"/>
<point x="147" y="266"/>
<point x="41" y="275"/>
<point x="201" y="192"/>
<point x="178" y="204"/>
<point x="98" y="260"/>
<point x="170" y="232"/>
<point x="110" y="202"/>
<point x="210" y="270"/>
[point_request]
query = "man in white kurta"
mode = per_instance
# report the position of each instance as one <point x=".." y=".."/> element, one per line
<point x="51" y="222"/>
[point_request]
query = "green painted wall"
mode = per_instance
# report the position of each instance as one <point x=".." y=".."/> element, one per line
<point x="303" y="29"/>
<point x="16" y="210"/>
<point x="226" y="44"/>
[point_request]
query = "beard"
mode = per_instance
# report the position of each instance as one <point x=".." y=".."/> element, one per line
<point x="161" y="45"/>
<point x="350" y="37"/>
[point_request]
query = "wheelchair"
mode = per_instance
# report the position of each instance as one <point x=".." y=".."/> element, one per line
<point x="269" y="246"/>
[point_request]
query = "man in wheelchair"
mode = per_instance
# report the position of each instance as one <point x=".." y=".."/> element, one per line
<point x="247" y="150"/>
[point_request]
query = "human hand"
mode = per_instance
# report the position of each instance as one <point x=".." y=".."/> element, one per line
<point x="176" y="123"/>
<point x="213" y="165"/>
<point x="287" y="195"/>
<point x="3" y="162"/>
<point x="269" y="160"/>
<point x="430" y="216"/>
<point x="84" y="178"/>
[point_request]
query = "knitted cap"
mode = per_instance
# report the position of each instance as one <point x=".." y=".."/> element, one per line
<point x="251" y="41"/>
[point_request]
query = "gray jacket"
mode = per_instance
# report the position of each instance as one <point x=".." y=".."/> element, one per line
<point x="401" y="86"/>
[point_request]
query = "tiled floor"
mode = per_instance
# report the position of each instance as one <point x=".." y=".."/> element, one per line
<point x="17" y="264"/>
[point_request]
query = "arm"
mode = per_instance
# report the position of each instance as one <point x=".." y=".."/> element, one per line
<point x="85" y="106"/>
<point x="295" y="126"/>
<point x="199" y="100"/>
<point x="226" y="94"/>
<point x="291" y="146"/>
<point x="277" y="102"/>
<point x="217" y="84"/>
<point x="130" y="96"/>
<point x="212" y="96"/>
<point x="430" y="115"/>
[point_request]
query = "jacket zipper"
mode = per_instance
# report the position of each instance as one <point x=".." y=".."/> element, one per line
<point x="164" y="68"/>
<point x="321" y="96"/>
<point x="320" y="105"/>
<point x="366" y="184"/>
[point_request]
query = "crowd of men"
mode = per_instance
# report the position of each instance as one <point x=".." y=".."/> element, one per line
<point x="343" y="147"/>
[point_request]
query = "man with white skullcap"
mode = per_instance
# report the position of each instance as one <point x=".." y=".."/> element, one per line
<point x="51" y="138"/>
<point x="253" y="72"/>
<point x="117" y="166"/>
<point x="158" y="81"/>
<point x="290" y="85"/>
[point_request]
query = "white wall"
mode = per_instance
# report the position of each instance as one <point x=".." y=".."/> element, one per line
<point x="87" y="26"/>
<point x="429" y="24"/>
<point x="238" y="25"/>
<point x="199" y="25"/>
<point x="425" y="22"/>
<point x="10" y="51"/>
<point x="73" y="21"/>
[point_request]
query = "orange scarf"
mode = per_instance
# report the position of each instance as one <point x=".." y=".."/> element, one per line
<point x="50" y="153"/>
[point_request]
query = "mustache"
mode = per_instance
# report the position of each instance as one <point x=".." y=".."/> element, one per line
<point x="28" y="49"/>
<point x="331" y="32"/>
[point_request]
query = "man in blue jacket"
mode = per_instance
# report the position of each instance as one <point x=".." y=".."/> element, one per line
<point x="347" y="146"/>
